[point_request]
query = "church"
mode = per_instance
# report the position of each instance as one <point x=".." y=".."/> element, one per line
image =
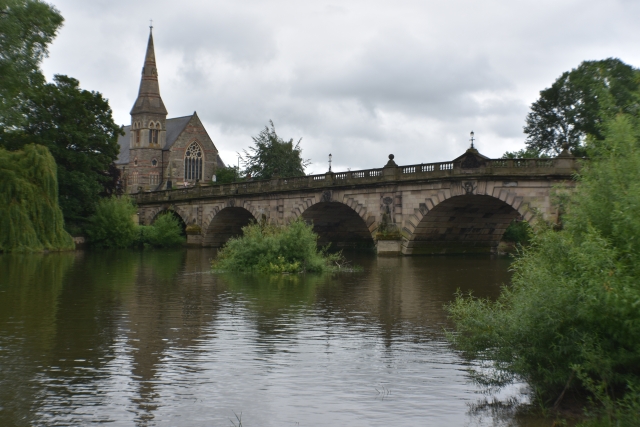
<point x="157" y="153"/>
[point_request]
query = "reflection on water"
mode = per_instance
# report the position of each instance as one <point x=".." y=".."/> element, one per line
<point x="153" y="338"/>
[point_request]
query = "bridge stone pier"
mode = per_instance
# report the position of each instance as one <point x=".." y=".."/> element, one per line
<point x="462" y="206"/>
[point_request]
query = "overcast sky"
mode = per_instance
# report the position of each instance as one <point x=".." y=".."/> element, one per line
<point x="358" y="79"/>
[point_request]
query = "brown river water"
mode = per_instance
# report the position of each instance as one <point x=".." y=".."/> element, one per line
<point x="153" y="338"/>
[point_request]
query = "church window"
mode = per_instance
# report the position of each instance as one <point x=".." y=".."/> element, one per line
<point x="134" y="178"/>
<point x="193" y="161"/>
<point x="154" y="163"/>
<point x="136" y="132"/>
<point x="154" y="179"/>
<point x="153" y="133"/>
<point x="135" y="162"/>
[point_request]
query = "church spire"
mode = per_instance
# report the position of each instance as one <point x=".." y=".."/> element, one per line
<point x="149" y="100"/>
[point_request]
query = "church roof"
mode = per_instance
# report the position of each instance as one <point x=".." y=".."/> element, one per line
<point x="175" y="127"/>
<point x="149" y="100"/>
<point x="124" y="141"/>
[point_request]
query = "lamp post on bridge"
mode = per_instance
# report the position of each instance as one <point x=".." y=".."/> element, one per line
<point x="330" y="156"/>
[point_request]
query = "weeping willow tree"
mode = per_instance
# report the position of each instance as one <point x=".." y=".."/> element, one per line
<point x="30" y="218"/>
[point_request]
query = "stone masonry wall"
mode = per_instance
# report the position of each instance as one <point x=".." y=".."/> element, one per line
<point x="194" y="131"/>
<point x="451" y="213"/>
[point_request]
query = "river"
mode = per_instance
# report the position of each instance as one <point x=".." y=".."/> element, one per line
<point x="153" y="338"/>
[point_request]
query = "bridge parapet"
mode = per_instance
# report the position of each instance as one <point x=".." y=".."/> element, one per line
<point x="503" y="168"/>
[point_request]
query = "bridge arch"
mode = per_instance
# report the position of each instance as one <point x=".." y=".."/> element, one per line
<point x="463" y="223"/>
<point x="225" y="223"/>
<point x="339" y="224"/>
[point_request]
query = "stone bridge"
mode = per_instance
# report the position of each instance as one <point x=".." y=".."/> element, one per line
<point x="461" y="206"/>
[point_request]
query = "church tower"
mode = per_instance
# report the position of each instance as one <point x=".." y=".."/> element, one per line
<point x="160" y="153"/>
<point x="148" y="126"/>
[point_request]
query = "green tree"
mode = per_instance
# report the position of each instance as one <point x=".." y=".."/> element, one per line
<point x="227" y="174"/>
<point x="77" y="126"/>
<point x="579" y="102"/>
<point x="27" y="27"/>
<point x="570" y="323"/>
<point x="30" y="218"/>
<point x="274" y="156"/>
<point x="112" y="225"/>
<point x="525" y="153"/>
<point x="166" y="231"/>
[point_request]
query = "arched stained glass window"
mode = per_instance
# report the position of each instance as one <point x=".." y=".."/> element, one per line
<point x="193" y="161"/>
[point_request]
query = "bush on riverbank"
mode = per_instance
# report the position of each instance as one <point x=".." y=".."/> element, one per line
<point x="30" y="217"/>
<point x="570" y="322"/>
<point x="113" y="226"/>
<point x="165" y="232"/>
<point x="270" y="248"/>
<point x="518" y="232"/>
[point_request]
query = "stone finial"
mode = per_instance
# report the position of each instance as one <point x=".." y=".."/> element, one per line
<point x="565" y="151"/>
<point x="391" y="163"/>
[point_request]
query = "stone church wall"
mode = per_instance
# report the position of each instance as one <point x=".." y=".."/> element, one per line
<point x="145" y="168"/>
<point x="194" y="131"/>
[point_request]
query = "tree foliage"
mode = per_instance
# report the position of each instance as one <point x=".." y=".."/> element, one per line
<point x="112" y="224"/>
<point x="227" y="175"/>
<point x="518" y="232"/>
<point x="30" y="218"/>
<point x="273" y="156"/>
<point x="270" y="248"/>
<point x="27" y="27"/>
<point x="570" y="320"/>
<point x="525" y="153"/>
<point x="165" y="232"/>
<point x="77" y="126"/>
<point x="579" y="102"/>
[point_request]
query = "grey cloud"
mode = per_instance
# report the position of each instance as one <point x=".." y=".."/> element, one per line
<point x="241" y="38"/>
<point x="357" y="79"/>
<point x="397" y="71"/>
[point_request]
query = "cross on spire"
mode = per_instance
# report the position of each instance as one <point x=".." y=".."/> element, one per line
<point x="151" y="24"/>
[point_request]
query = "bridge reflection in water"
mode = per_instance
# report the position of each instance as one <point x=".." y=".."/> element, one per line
<point x="460" y="206"/>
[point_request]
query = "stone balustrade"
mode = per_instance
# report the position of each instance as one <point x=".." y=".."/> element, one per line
<point x="494" y="168"/>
